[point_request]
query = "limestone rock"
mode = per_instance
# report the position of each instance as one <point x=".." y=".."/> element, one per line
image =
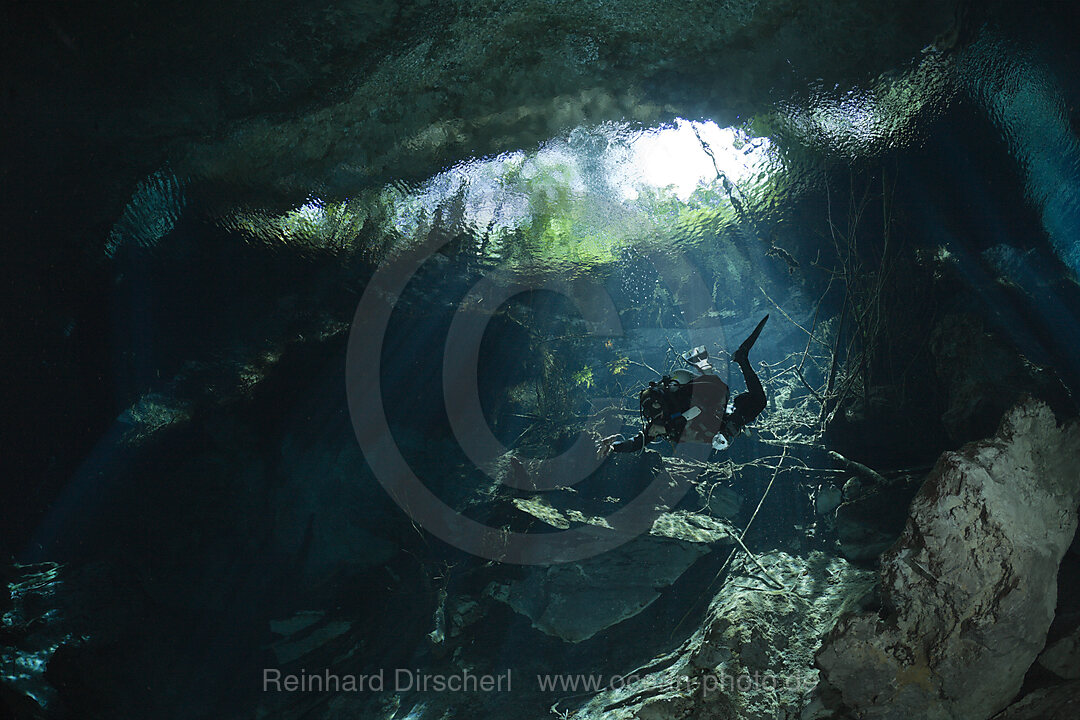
<point x="1060" y="702"/>
<point x="827" y="500"/>
<point x="1063" y="657"/>
<point x="541" y="509"/>
<point x="714" y="484"/>
<point x="30" y="632"/>
<point x="576" y="600"/>
<point x="330" y="512"/>
<point x="453" y="616"/>
<point x="971" y="584"/>
<point x="985" y="376"/>
<point x="867" y="524"/>
<point x="301" y="643"/>
<point x="753" y="655"/>
<point x="692" y="527"/>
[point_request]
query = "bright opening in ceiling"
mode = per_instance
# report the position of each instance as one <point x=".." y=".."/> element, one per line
<point x="612" y="163"/>
<point x="575" y="198"/>
<point x="693" y="153"/>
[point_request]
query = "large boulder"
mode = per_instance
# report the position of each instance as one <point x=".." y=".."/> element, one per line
<point x="872" y="517"/>
<point x="1059" y="702"/>
<point x="331" y="516"/>
<point x="984" y="376"/>
<point x="575" y="601"/>
<point x="1063" y="656"/>
<point x="753" y="655"/>
<point x="971" y="585"/>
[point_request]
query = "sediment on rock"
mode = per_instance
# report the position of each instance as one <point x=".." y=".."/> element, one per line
<point x="752" y="657"/>
<point x="971" y="585"/>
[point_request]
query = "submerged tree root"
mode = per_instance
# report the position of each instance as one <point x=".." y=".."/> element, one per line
<point x="739" y="540"/>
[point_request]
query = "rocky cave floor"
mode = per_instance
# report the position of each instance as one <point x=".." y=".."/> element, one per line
<point x="942" y="594"/>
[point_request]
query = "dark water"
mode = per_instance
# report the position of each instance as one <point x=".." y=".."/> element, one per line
<point x="245" y="480"/>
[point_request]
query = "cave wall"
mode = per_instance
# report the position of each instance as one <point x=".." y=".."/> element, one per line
<point x="269" y="102"/>
<point x="263" y="104"/>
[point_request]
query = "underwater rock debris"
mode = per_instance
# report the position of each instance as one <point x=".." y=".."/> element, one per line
<point x="753" y="655"/>
<point x="1053" y="703"/>
<point x="985" y="377"/>
<point x="972" y="582"/>
<point x="577" y="600"/>
<point x="1063" y="657"/>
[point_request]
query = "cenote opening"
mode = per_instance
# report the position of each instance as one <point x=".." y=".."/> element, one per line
<point x="409" y="360"/>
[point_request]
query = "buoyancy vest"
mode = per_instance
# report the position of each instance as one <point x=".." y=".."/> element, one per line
<point x="670" y="403"/>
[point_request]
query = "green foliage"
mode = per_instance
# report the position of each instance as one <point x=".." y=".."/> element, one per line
<point x="619" y="365"/>
<point x="563" y="209"/>
<point x="584" y="376"/>
<point x="330" y="227"/>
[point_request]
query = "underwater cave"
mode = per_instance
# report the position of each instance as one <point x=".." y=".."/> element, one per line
<point x="356" y="367"/>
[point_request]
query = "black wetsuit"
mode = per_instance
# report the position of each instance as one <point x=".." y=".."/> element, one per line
<point x="708" y="393"/>
<point x="711" y="394"/>
<point x="748" y="405"/>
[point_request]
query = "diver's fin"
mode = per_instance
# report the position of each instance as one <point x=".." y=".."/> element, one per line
<point x="748" y="343"/>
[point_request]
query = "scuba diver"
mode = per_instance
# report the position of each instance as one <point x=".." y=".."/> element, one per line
<point x="686" y="408"/>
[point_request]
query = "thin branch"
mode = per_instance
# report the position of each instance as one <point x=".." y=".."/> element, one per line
<point x="813" y="392"/>
<point x="776" y="471"/>
<point x="835" y="360"/>
<point x="858" y="468"/>
<point x="758" y="563"/>
<point x="813" y="325"/>
<point x="791" y="319"/>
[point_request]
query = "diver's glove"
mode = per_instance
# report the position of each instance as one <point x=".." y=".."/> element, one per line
<point x="698" y="358"/>
<point x="603" y="446"/>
